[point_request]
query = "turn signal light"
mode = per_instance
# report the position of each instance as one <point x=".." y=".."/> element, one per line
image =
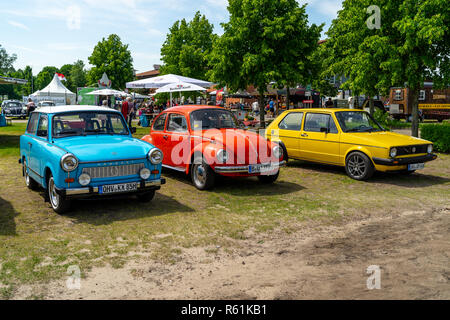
<point x="155" y="171"/>
<point x="69" y="180"/>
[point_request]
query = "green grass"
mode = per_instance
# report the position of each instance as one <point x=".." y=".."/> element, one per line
<point x="38" y="245"/>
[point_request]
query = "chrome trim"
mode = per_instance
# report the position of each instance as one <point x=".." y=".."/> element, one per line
<point x="78" y="191"/>
<point x="114" y="171"/>
<point x="174" y="168"/>
<point x="243" y="169"/>
<point x="101" y="161"/>
<point x="153" y="183"/>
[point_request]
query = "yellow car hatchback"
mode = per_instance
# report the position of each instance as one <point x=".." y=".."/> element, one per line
<point x="350" y="138"/>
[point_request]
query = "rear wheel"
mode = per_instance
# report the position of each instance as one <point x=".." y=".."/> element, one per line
<point x="58" y="203"/>
<point x="358" y="166"/>
<point x="202" y="175"/>
<point x="269" y="178"/>
<point x="30" y="182"/>
<point x="146" y="197"/>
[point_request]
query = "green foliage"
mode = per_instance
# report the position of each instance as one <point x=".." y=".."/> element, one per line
<point x="45" y="77"/>
<point x="6" y="61"/>
<point x="113" y="57"/>
<point x="387" y="122"/>
<point x="439" y="134"/>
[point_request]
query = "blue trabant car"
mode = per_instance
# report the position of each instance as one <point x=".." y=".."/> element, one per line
<point x="84" y="151"/>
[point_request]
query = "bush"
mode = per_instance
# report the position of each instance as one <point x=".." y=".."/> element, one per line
<point x="387" y="122"/>
<point x="439" y="134"/>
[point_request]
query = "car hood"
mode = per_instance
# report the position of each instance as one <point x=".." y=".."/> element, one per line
<point x="384" y="139"/>
<point x="246" y="146"/>
<point x="98" y="148"/>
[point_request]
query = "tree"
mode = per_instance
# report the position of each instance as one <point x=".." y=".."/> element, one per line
<point x="78" y="75"/>
<point x="113" y="57"/>
<point x="45" y="77"/>
<point x="410" y="45"/>
<point x="6" y="61"/>
<point x="264" y="41"/>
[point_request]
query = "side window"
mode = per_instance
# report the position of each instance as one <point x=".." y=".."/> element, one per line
<point x="32" y="123"/>
<point x="159" y="123"/>
<point x="177" y="123"/>
<point x="42" y="130"/>
<point x="293" y="121"/>
<point x="315" y="121"/>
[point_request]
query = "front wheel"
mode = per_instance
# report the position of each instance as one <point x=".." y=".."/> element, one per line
<point x="59" y="204"/>
<point x="269" y="178"/>
<point x="358" y="166"/>
<point x="146" y="197"/>
<point x="202" y="175"/>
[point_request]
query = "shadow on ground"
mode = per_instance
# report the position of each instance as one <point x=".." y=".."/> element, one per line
<point x="7" y="215"/>
<point x="109" y="210"/>
<point x="240" y="186"/>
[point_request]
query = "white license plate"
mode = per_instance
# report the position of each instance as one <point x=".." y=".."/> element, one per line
<point x="116" y="188"/>
<point x="261" y="168"/>
<point x="416" y="166"/>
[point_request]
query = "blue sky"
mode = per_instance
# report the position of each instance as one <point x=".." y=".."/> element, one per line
<point x="56" y="32"/>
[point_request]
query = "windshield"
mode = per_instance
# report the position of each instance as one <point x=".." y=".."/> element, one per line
<point x="14" y="105"/>
<point x="213" y="119"/>
<point x="86" y="123"/>
<point x="357" y="121"/>
<point x="46" y="104"/>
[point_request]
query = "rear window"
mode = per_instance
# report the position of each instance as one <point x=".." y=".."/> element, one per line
<point x="32" y="123"/>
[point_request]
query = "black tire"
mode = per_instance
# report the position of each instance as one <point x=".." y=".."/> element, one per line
<point x="58" y="203"/>
<point x="202" y="175"/>
<point x="358" y="166"/>
<point x="267" y="179"/>
<point x="285" y="154"/>
<point x="146" y="197"/>
<point x="30" y="182"/>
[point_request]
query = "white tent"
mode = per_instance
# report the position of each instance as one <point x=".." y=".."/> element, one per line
<point x="56" y="92"/>
<point x="179" y="87"/>
<point x="161" y="81"/>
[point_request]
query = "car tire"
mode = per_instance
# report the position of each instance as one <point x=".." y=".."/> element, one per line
<point x="29" y="181"/>
<point x="146" y="197"/>
<point x="58" y="203"/>
<point x="267" y="179"/>
<point x="358" y="166"/>
<point x="285" y="154"/>
<point x="202" y="175"/>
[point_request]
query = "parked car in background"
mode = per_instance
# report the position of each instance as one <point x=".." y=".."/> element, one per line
<point x="204" y="141"/>
<point x="45" y="104"/>
<point x="349" y="138"/>
<point x="14" y="109"/>
<point x="85" y="151"/>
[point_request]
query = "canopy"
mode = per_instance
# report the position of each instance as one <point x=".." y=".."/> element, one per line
<point x="55" y="91"/>
<point x="179" y="87"/>
<point x="161" y="81"/>
<point x="7" y="80"/>
<point x="107" y="92"/>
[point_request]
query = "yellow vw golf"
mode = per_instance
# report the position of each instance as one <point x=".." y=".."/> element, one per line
<point x="349" y="138"/>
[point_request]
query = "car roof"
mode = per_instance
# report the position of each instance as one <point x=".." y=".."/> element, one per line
<point x="324" y="109"/>
<point x="73" y="108"/>
<point x="190" y="108"/>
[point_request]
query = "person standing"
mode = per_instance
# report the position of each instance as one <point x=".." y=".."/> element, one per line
<point x="329" y="103"/>
<point x="131" y="111"/>
<point x="125" y="109"/>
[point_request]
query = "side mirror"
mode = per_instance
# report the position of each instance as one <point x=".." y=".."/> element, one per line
<point x="133" y="129"/>
<point x="324" y="129"/>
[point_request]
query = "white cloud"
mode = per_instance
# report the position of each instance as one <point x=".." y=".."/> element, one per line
<point x="18" y="25"/>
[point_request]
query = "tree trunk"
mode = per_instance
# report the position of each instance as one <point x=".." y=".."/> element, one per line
<point x="288" y="102"/>
<point x="371" y="111"/>
<point x="262" y="117"/>
<point x="415" y="112"/>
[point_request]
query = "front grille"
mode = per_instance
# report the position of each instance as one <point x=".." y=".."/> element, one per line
<point x="401" y="151"/>
<point x="114" y="171"/>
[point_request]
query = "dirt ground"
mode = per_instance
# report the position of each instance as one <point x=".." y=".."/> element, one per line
<point x="317" y="262"/>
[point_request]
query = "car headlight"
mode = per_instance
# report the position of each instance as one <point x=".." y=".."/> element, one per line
<point x="144" y="173"/>
<point x="430" y="148"/>
<point x="155" y="156"/>
<point x="222" y="156"/>
<point x="69" y="162"/>
<point x="84" y="179"/>
<point x="393" y="152"/>
<point x="277" y="152"/>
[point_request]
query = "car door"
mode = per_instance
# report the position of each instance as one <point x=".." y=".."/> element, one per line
<point x="289" y="130"/>
<point x="30" y="144"/>
<point x="320" y="138"/>
<point x="158" y="134"/>
<point x="38" y="152"/>
<point x="178" y="142"/>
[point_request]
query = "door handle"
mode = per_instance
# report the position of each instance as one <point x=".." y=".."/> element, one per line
<point x="30" y="144"/>
<point x="165" y="137"/>
<point x="304" y="135"/>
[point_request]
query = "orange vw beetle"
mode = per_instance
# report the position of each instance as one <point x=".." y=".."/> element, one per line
<point x="205" y="140"/>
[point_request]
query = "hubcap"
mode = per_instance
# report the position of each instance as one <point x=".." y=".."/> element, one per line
<point x="25" y="171"/>
<point x="356" y="166"/>
<point x="54" y="197"/>
<point x="200" y="174"/>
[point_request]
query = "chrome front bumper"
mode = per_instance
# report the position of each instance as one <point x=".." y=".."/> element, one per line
<point x="144" y="186"/>
<point x="244" y="168"/>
